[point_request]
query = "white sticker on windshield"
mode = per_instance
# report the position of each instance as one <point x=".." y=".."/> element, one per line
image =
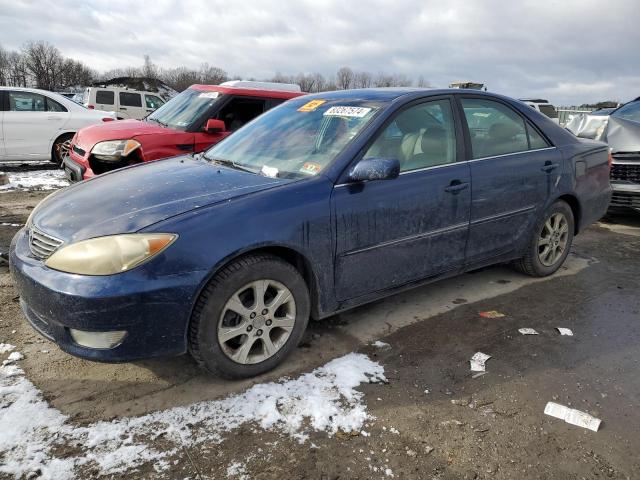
<point x="269" y="171"/>
<point x="347" y="112"/>
<point x="209" y="95"/>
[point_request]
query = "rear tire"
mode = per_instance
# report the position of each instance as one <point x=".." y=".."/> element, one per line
<point x="61" y="148"/>
<point x="249" y="317"/>
<point x="550" y="242"/>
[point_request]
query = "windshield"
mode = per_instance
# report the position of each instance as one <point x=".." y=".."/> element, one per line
<point x="298" y="139"/>
<point x="630" y="111"/>
<point x="182" y="110"/>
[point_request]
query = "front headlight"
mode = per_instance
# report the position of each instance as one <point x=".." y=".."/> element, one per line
<point x="109" y="255"/>
<point x="114" y="150"/>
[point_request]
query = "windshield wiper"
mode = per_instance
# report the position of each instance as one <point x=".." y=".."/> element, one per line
<point x="157" y="121"/>
<point x="230" y="163"/>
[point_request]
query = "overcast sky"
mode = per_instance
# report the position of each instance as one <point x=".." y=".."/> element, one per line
<point x="571" y="51"/>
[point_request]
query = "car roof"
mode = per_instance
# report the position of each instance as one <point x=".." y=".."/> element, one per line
<point x="247" y="92"/>
<point x="390" y="94"/>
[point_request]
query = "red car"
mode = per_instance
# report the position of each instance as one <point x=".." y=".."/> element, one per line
<point x="192" y="121"/>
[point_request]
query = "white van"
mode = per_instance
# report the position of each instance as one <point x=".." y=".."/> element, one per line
<point x="543" y="106"/>
<point x="126" y="103"/>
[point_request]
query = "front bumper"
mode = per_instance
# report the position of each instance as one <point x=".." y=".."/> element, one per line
<point x="155" y="311"/>
<point x="625" y="195"/>
<point x="76" y="165"/>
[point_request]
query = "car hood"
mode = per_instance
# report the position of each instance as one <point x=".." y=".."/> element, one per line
<point x="118" y="130"/>
<point x="623" y="135"/>
<point x="127" y="200"/>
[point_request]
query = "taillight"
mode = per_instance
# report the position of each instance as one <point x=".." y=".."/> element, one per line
<point x="91" y="107"/>
<point x="107" y="119"/>
<point x="610" y="159"/>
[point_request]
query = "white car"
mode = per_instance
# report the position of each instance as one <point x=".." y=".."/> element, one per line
<point x="39" y="125"/>
<point x="125" y="102"/>
<point x="543" y="106"/>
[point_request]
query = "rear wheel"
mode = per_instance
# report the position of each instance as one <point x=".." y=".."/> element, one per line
<point x="550" y="243"/>
<point x="61" y="148"/>
<point x="250" y="317"/>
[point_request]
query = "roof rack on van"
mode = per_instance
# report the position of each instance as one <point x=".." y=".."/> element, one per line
<point x="286" y="87"/>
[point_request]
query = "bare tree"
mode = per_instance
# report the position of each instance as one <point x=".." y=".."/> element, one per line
<point x="362" y="80"/>
<point x="212" y="75"/>
<point x="149" y="69"/>
<point x="43" y="62"/>
<point x="344" y="78"/>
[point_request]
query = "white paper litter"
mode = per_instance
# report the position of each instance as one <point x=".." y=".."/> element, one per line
<point x="478" y="360"/>
<point x="527" y="331"/>
<point x="572" y="416"/>
<point x="565" y="331"/>
<point x="32" y="432"/>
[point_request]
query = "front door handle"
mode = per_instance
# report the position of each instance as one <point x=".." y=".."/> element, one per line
<point x="456" y="186"/>
<point x="549" y="167"/>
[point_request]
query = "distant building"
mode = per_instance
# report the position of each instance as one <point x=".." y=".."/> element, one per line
<point x="470" y="85"/>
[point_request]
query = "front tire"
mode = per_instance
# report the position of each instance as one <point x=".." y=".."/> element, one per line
<point x="550" y="242"/>
<point x="249" y="317"/>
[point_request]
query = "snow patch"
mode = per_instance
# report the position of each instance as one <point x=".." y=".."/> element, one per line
<point x="379" y="344"/>
<point x="6" y="347"/>
<point x="35" y="180"/>
<point x="31" y="432"/>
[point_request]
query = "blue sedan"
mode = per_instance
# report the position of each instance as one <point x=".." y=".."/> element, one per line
<point x="324" y="203"/>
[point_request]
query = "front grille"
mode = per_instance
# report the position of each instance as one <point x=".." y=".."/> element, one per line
<point x="626" y="167"/>
<point x="78" y="150"/>
<point x="41" y="244"/>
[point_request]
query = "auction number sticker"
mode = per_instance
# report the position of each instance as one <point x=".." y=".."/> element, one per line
<point x="347" y="112"/>
<point x="209" y="95"/>
<point x="311" y="106"/>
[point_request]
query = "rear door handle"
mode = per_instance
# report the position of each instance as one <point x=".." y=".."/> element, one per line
<point x="456" y="186"/>
<point x="549" y="167"/>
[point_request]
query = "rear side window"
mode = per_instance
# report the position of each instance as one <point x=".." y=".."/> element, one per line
<point x="26" y="102"/>
<point x="549" y="111"/>
<point x="495" y="129"/>
<point x="536" y="141"/>
<point x="105" y="97"/>
<point x="53" y="106"/>
<point x="128" y="99"/>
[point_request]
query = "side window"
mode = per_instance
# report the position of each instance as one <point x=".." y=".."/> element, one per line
<point x="128" y="99"/>
<point x="495" y="129"/>
<point x="535" y="139"/>
<point x="105" y="97"/>
<point x="419" y="137"/>
<point x="53" y="106"/>
<point x="153" y="102"/>
<point x="26" y="102"/>
<point x="240" y="111"/>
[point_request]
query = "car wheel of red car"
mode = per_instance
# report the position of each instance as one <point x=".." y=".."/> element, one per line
<point x="550" y="243"/>
<point x="250" y="317"/>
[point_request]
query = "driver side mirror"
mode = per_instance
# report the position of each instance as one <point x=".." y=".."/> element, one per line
<point x="214" y="126"/>
<point x="375" y="169"/>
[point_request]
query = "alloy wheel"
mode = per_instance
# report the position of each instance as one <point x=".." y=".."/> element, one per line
<point x="553" y="239"/>
<point x="256" y="321"/>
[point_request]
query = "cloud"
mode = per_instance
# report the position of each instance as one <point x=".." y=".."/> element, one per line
<point x="573" y="51"/>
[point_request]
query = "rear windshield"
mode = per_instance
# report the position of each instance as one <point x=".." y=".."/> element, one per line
<point x="548" y="110"/>
<point x="182" y="110"/>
